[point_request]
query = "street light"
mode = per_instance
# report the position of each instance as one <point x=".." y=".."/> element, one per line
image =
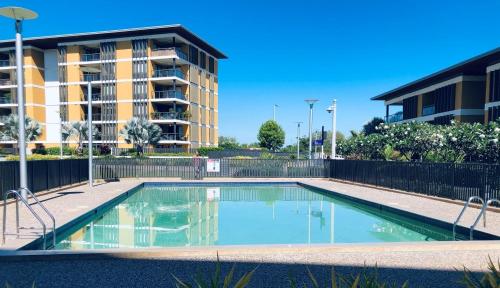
<point x="274" y="111"/>
<point x="311" y="104"/>
<point x="333" y="109"/>
<point x="298" y="139"/>
<point x="89" y="120"/>
<point x="19" y="14"/>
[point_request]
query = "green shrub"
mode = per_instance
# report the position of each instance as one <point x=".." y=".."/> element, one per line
<point x="56" y="150"/>
<point x="490" y="279"/>
<point x="203" y="151"/>
<point x="32" y="157"/>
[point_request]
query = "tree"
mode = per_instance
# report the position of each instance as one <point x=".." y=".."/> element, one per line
<point x="140" y="132"/>
<point x="370" y="127"/>
<point x="10" y="129"/>
<point x="78" y="130"/>
<point x="228" y="142"/>
<point x="271" y="135"/>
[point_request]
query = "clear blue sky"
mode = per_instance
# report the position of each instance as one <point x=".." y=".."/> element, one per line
<point x="281" y="52"/>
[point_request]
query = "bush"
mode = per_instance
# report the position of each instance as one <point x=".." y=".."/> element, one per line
<point x="104" y="150"/>
<point x="33" y="157"/>
<point x="39" y="150"/>
<point x="203" y="151"/>
<point x="56" y="150"/>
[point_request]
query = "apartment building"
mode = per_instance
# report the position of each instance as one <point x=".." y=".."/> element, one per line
<point x="166" y="74"/>
<point x="466" y="92"/>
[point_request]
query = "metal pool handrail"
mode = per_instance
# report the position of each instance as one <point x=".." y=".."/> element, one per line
<point x="19" y="197"/>
<point x="462" y="213"/>
<point x="46" y="211"/>
<point x="483" y="212"/>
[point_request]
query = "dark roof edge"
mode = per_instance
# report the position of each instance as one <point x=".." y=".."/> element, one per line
<point x="437" y="74"/>
<point x="176" y="28"/>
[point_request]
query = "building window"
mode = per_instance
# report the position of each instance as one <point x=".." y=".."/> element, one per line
<point x="193" y="55"/>
<point x="410" y="108"/>
<point x="203" y="60"/>
<point x="211" y="65"/>
<point x="494" y="86"/>
<point x="445" y="98"/>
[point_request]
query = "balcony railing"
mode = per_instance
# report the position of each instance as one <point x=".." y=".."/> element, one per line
<point x="90" y="57"/>
<point x="168" y="73"/>
<point x="168" y="116"/>
<point x="396" y="117"/>
<point x="95" y="117"/>
<point x="91" y="77"/>
<point x="5" y="82"/>
<point x="6" y="100"/>
<point x="165" y="94"/>
<point x="428" y="110"/>
<point x="173" y="137"/>
<point x="4" y="63"/>
<point x="95" y="96"/>
<point x="172" y="51"/>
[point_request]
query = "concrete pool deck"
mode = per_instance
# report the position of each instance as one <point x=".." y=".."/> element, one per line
<point x="432" y="257"/>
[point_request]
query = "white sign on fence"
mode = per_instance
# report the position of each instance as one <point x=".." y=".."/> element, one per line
<point x="213" y="165"/>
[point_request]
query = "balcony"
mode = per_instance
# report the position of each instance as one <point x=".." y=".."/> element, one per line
<point x="95" y="117"/>
<point x="428" y="110"/>
<point x="169" y="94"/>
<point x="6" y="100"/>
<point x="169" y="116"/>
<point x="168" y="73"/>
<point x="396" y="117"/>
<point x="91" y="77"/>
<point x="6" y="82"/>
<point x="173" y="137"/>
<point x="88" y="57"/>
<point x="95" y="96"/>
<point x="5" y="63"/>
<point x="169" y="52"/>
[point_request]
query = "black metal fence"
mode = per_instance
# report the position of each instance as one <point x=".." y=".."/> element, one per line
<point x="44" y="174"/>
<point x="447" y="180"/>
<point x="192" y="168"/>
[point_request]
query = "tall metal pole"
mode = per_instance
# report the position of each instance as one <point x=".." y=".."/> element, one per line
<point x="274" y="112"/>
<point x="23" y="172"/>
<point x="89" y="112"/>
<point x="60" y="137"/>
<point x="298" y="140"/>
<point x="334" y="129"/>
<point x="310" y="128"/>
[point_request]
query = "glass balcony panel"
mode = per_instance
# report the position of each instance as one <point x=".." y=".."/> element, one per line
<point x="171" y="51"/>
<point x="173" y="137"/>
<point x="428" y="110"/>
<point x="6" y="100"/>
<point x="90" y="57"/>
<point x="396" y="117"/>
<point x="91" y="77"/>
<point x="4" y="63"/>
<point x="168" y="116"/>
<point x="169" y="73"/>
<point x="165" y="94"/>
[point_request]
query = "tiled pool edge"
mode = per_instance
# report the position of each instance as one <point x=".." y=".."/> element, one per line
<point x="479" y="235"/>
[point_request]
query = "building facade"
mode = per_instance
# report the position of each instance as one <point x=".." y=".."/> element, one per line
<point x="166" y="74"/>
<point x="466" y="92"/>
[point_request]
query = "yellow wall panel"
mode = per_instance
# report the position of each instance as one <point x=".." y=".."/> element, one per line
<point x="73" y="53"/>
<point x="124" y="110"/>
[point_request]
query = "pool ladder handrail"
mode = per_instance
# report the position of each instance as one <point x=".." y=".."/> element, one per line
<point x="46" y="211"/>
<point x="18" y="194"/>
<point x="483" y="213"/>
<point x="19" y="197"/>
<point x="466" y="205"/>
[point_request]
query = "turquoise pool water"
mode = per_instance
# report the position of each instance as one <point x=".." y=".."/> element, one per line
<point x="177" y="216"/>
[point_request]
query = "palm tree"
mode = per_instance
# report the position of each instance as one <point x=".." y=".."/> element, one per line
<point x="78" y="130"/>
<point x="10" y="129"/>
<point x="140" y="132"/>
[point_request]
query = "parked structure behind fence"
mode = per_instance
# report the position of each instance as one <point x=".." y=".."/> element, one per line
<point x="190" y="168"/>
<point x="44" y="174"/>
<point x="448" y="180"/>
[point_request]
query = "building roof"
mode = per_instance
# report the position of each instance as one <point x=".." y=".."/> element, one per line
<point x="50" y="42"/>
<point x="473" y="66"/>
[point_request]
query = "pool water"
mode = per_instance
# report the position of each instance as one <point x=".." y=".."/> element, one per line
<point x="237" y="214"/>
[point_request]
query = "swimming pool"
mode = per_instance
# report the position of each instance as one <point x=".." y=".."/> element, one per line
<point x="158" y="215"/>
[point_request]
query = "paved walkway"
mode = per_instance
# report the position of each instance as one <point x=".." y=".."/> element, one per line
<point x="429" y="264"/>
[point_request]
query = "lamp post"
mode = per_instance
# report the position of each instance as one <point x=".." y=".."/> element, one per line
<point x="89" y="120"/>
<point x="333" y="109"/>
<point x="274" y="111"/>
<point x="311" y="105"/>
<point x="20" y="14"/>
<point x="298" y="139"/>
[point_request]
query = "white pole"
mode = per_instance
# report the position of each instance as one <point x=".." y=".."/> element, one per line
<point x="334" y="128"/>
<point x="298" y="140"/>
<point x="89" y="112"/>
<point x="310" y="129"/>
<point x="23" y="172"/>
<point x="60" y="137"/>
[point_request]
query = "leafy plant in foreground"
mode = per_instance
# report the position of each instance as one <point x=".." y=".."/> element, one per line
<point x="490" y="279"/>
